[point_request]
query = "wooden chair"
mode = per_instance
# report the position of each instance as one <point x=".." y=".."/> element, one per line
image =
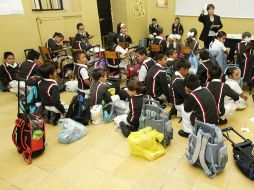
<point x="113" y="56"/>
<point x="72" y="40"/>
<point x="124" y="45"/>
<point x="185" y="50"/>
<point x="154" y="48"/>
<point x="45" y="53"/>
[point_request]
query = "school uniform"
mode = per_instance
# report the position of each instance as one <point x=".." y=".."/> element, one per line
<point x="123" y="38"/>
<point x="217" y="45"/>
<point x="81" y="41"/>
<point x="158" y="40"/>
<point x="8" y="73"/>
<point x="245" y="60"/>
<point x="99" y="93"/>
<point x="220" y="90"/>
<point x="155" y="82"/>
<point x="193" y="44"/>
<point x="145" y="67"/>
<point x="152" y="29"/>
<point x="199" y="105"/>
<point x="177" y="29"/>
<point x="203" y="71"/>
<point x="82" y="74"/>
<point x="51" y="43"/>
<point x="27" y="69"/>
<point x="178" y="92"/>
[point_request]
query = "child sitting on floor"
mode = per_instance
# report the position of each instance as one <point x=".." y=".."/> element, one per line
<point x="131" y="123"/>
<point x="191" y="40"/>
<point x="220" y="91"/>
<point x="8" y="73"/>
<point x="198" y="105"/>
<point x="232" y="76"/>
<point x="50" y="94"/>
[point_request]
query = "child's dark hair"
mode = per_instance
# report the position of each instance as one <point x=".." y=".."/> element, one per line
<point x="246" y="34"/>
<point x="78" y="25"/>
<point x="221" y="34"/>
<point x="32" y="55"/>
<point x="215" y="72"/>
<point x="177" y="18"/>
<point x="7" y="54"/>
<point x="141" y="51"/>
<point x="48" y="68"/>
<point x="98" y="73"/>
<point x="111" y="41"/>
<point x="154" y="19"/>
<point x="192" y="82"/>
<point x="159" y="31"/>
<point x="229" y="72"/>
<point x="118" y="27"/>
<point x="136" y="85"/>
<point x="204" y="54"/>
<point x="170" y="52"/>
<point x="182" y="63"/>
<point x="210" y="6"/>
<point x="189" y="40"/>
<point x="159" y="56"/>
<point x="76" y="56"/>
<point x="58" y="34"/>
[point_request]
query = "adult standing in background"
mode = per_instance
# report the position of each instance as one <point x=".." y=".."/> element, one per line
<point x="212" y="24"/>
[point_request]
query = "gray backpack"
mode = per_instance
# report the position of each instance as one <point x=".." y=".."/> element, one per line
<point x="207" y="149"/>
<point x="154" y="116"/>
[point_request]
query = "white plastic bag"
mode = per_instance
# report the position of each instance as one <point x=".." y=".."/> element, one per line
<point x="71" y="130"/>
<point x="71" y="86"/>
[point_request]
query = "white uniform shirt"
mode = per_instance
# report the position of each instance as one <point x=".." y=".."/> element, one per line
<point x="217" y="45"/>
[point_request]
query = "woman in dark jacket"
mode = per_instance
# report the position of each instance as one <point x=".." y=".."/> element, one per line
<point x="212" y="24"/>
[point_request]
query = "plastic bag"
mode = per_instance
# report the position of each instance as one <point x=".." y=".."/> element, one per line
<point x="71" y="86"/>
<point x="193" y="59"/>
<point x="146" y="143"/>
<point x="71" y="130"/>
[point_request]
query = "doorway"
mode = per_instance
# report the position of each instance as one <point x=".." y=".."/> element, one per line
<point x="105" y="18"/>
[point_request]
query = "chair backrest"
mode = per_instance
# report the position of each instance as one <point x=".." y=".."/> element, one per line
<point x="155" y="48"/>
<point x="111" y="55"/>
<point x="124" y="45"/>
<point x="72" y="40"/>
<point x="45" y="52"/>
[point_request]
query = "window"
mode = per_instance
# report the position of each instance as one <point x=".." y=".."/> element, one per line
<point x="47" y="5"/>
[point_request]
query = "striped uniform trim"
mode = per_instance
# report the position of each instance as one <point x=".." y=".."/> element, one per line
<point x="207" y="71"/>
<point x="49" y="88"/>
<point x="153" y="82"/>
<point x="96" y="92"/>
<point x="200" y="105"/>
<point x="30" y="71"/>
<point x="132" y="110"/>
<point x="10" y="77"/>
<point x="79" y="45"/>
<point x="174" y="98"/>
<point x="245" y="65"/>
<point x="219" y="98"/>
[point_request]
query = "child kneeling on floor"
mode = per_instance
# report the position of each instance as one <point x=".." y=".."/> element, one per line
<point x="130" y="123"/>
<point x="50" y="94"/>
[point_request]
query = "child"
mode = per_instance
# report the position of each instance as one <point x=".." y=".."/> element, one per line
<point x="53" y="42"/>
<point x="159" y="39"/>
<point x="81" y="39"/>
<point x="191" y="40"/>
<point x="81" y="73"/>
<point x="177" y="85"/>
<point x="233" y="75"/>
<point x="172" y="57"/>
<point x="203" y="69"/>
<point x="156" y="77"/>
<point x="146" y="62"/>
<point x="245" y="46"/>
<point x="220" y="91"/>
<point x="131" y="124"/>
<point x="153" y="27"/>
<point x="29" y="68"/>
<point x="8" y="72"/>
<point x="198" y="105"/>
<point x="177" y="27"/>
<point x="123" y="34"/>
<point x="99" y="89"/>
<point x="50" y="94"/>
<point x="218" y="42"/>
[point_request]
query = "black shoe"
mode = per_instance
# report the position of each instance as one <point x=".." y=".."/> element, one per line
<point x="172" y="112"/>
<point x="183" y="134"/>
<point x="223" y="122"/>
<point x="125" y="130"/>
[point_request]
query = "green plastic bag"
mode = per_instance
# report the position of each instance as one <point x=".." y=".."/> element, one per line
<point x="145" y="143"/>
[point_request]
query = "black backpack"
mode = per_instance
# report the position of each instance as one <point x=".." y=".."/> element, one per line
<point x="79" y="110"/>
<point x="243" y="153"/>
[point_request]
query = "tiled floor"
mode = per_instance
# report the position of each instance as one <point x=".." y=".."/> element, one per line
<point x="101" y="160"/>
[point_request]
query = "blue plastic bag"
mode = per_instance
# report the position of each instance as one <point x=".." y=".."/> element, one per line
<point x="193" y="59"/>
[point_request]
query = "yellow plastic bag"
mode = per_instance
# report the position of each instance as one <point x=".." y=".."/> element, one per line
<point x="145" y="143"/>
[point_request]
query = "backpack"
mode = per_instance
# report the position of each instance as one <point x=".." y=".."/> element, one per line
<point x="207" y="149"/>
<point x="133" y="70"/>
<point x="32" y="102"/>
<point x="79" y="110"/>
<point x="154" y="116"/>
<point x="243" y="153"/>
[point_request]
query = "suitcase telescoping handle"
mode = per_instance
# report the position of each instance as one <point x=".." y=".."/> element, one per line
<point x="226" y="135"/>
<point x="19" y="97"/>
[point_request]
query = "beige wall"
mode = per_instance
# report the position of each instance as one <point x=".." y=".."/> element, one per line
<point x="19" y="32"/>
